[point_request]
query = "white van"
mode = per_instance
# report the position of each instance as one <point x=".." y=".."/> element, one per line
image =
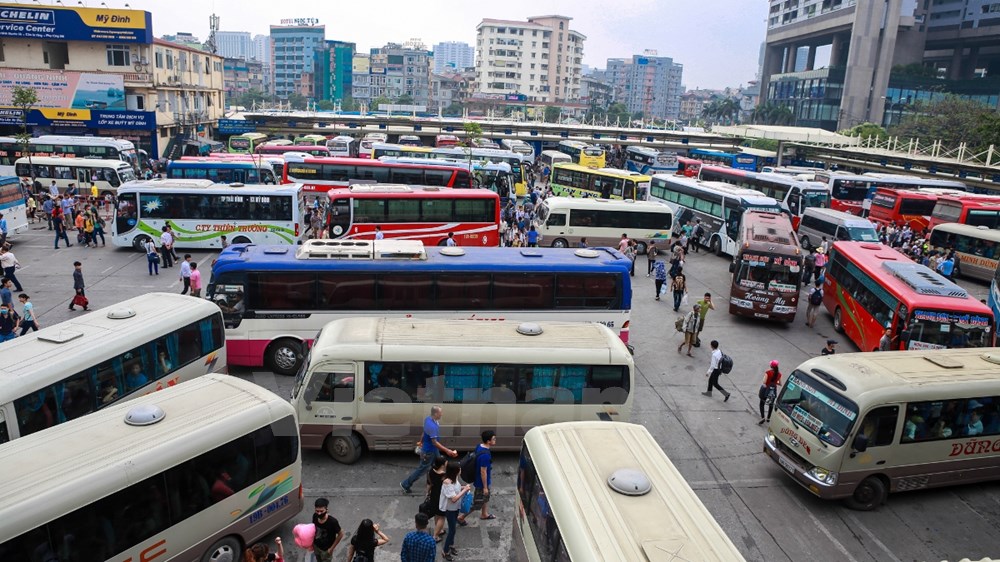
<point x="568" y="221"/>
<point x="818" y="222"/>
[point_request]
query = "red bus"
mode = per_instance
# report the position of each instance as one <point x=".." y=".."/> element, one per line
<point x="312" y="150"/>
<point x="899" y="207"/>
<point x="444" y="141"/>
<point x="797" y="195"/>
<point x="870" y="287"/>
<point x="688" y="166"/>
<point x="322" y="174"/>
<point x="974" y="209"/>
<point x="849" y="191"/>
<point x="427" y="214"/>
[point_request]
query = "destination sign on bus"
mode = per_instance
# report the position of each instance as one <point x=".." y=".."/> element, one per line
<point x="943" y="317"/>
<point x="755" y="261"/>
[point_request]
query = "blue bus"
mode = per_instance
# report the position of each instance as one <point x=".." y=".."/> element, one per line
<point x="276" y="298"/>
<point x="649" y="161"/>
<point x="222" y="171"/>
<point x="741" y="161"/>
<point x="13" y="204"/>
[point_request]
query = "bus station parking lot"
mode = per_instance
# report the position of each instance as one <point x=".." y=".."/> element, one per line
<point x="716" y="445"/>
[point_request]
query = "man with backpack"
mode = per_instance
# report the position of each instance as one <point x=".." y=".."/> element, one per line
<point x="815" y="299"/>
<point x="477" y="469"/>
<point x="720" y="363"/>
<point x="696" y="235"/>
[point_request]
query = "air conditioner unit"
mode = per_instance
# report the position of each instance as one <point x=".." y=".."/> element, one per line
<point x="143" y="60"/>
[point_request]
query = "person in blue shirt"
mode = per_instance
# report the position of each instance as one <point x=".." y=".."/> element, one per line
<point x="947" y="266"/>
<point x="6" y="296"/>
<point x="430" y="448"/>
<point x="136" y="378"/>
<point x="484" y="472"/>
<point x="532" y="237"/>
<point x="418" y="545"/>
<point x="3" y="230"/>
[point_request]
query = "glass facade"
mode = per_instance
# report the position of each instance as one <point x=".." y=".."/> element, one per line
<point x="813" y="96"/>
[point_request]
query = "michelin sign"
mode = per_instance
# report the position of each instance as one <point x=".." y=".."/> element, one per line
<point x="75" y="24"/>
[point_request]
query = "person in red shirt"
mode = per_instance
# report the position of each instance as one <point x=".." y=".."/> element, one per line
<point x="768" y="391"/>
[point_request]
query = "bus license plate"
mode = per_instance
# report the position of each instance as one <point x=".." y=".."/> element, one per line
<point x="786" y="464"/>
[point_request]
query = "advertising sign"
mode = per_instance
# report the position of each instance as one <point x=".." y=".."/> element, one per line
<point x="75" y="24"/>
<point x="82" y="118"/>
<point x="72" y="90"/>
<point x="236" y="126"/>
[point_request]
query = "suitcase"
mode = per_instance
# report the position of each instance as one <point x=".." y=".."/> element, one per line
<point x="80" y="300"/>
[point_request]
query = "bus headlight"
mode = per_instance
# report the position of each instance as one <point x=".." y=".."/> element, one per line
<point x="823" y="475"/>
<point x="771" y="440"/>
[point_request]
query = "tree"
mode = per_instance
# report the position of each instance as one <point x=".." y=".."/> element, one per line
<point x="24" y="99"/>
<point x="405" y="99"/>
<point x="473" y="132"/>
<point x="618" y="114"/>
<point x="772" y="114"/>
<point x="250" y="98"/>
<point x="453" y="110"/>
<point x="297" y="101"/>
<point x="865" y="130"/>
<point x="347" y="104"/>
<point x="914" y="70"/>
<point x="952" y="120"/>
<point x="552" y="114"/>
<point x="381" y="100"/>
<point x="325" y="105"/>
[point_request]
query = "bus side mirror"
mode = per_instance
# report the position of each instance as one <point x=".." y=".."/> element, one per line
<point x="860" y="443"/>
<point x="732" y="267"/>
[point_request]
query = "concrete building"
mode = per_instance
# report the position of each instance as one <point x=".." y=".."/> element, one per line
<point x="241" y="76"/>
<point x="235" y="45"/>
<point x="453" y="56"/>
<point x="334" y="67"/>
<point x="451" y="89"/>
<point x="596" y="93"/>
<point x="184" y="38"/>
<point x="647" y="83"/>
<point x="394" y="71"/>
<point x="540" y="59"/>
<point x="188" y="88"/>
<point x="262" y="53"/>
<point x="293" y="53"/>
<point x="360" y="78"/>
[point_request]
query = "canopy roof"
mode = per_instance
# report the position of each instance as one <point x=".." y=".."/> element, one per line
<point x="786" y="134"/>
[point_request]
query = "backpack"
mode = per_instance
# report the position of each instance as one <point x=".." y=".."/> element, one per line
<point x="816" y="297"/>
<point x="726" y="364"/>
<point x="467" y="468"/>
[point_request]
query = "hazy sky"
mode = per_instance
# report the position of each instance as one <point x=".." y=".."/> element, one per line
<point x="717" y="41"/>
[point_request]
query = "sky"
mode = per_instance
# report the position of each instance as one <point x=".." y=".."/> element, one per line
<point x="717" y="41"/>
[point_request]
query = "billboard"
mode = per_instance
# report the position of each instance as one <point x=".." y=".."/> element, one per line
<point x="72" y="90"/>
<point x="33" y="21"/>
<point x="81" y="118"/>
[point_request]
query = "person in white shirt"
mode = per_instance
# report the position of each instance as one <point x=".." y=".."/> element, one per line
<point x="166" y="248"/>
<point x="186" y="273"/>
<point x="714" y="370"/>
<point x="54" y="189"/>
<point x="451" y="239"/>
<point x="378" y="233"/>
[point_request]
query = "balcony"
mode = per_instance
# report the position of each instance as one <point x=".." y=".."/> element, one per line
<point x="137" y="78"/>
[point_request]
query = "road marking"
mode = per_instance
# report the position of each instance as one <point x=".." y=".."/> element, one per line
<point x="107" y="269"/>
<point x="880" y="544"/>
<point x="819" y="525"/>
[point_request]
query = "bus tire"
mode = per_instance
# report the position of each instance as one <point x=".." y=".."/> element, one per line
<point x="285" y="356"/>
<point x="560" y="243"/>
<point x="139" y="243"/>
<point x="241" y="240"/>
<point x="226" y="549"/>
<point x="838" y="321"/>
<point x="716" y="246"/>
<point x="345" y="449"/>
<point x="869" y="494"/>
<point x="804" y="242"/>
<point x="640" y="248"/>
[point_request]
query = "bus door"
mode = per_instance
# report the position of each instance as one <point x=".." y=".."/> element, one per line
<point x="870" y="449"/>
<point x="340" y="217"/>
<point x="329" y="396"/>
<point x="82" y="179"/>
<point x="127" y="214"/>
<point x="795" y="204"/>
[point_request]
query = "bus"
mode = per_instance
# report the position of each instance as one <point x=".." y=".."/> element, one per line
<point x="489" y="155"/>
<point x="427" y="214"/>
<point x="201" y="212"/>
<point x="365" y="147"/>
<point x="310" y="139"/>
<point x="720" y="207"/>
<point x="574" y="180"/>
<point x="486" y="175"/>
<point x="343" y="146"/>
<point x="688" y="167"/>
<point x="445" y="141"/>
<point x="649" y="161"/>
<point x="221" y="171"/>
<point x="976" y="248"/>
<point x="126" y="350"/>
<point x="552" y="157"/>
<point x="859" y="426"/>
<point x="520" y="147"/>
<point x="98" y="148"/>
<point x="107" y="175"/>
<point x="899" y="207"/>
<point x="971" y="209"/>
<point x="312" y="150"/>
<point x="767" y="269"/>
<point x="191" y="473"/>
<point x="565" y="221"/>
<point x="319" y="175"/>
<point x="410" y="140"/>
<point x="276" y="163"/>
<point x="600" y="490"/>
<point x="368" y="383"/>
<point x="796" y="195"/>
<point x="870" y="287"/>
<point x="291" y="293"/>
<point x="247" y="143"/>
<point x="744" y="160"/>
<point x="13" y="204"/>
<point x="382" y="149"/>
<point x="584" y="154"/>
<point x="852" y="193"/>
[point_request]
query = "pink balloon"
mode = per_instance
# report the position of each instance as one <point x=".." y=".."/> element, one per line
<point x="304" y="534"/>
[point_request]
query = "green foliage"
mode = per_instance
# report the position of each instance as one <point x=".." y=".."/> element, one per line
<point x="405" y="99"/>
<point x="552" y="114"/>
<point x="618" y="113"/>
<point x="325" y="105"/>
<point x="914" y="70"/>
<point x="763" y="144"/>
<point x="722" y="110"/>
<point x="772" y="114"/>
<point x="453" y="110"/>
<point x="379" y="101"/>
<point x="24" y="99"/>
<point x="952" y="120"/>
<point x="347" y="104"/>
<point x="865" y="130"/>
<point x="297" y="101"/>
<point x="249" y="98"/>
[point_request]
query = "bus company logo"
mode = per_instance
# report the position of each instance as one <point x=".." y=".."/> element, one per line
<point x="796" y="440"/>
<point x="27" y="16"/>
<point x="16" y="113"/>
<point x="975" y="447"/>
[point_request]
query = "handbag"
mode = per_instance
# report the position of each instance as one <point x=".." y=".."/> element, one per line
<point x="80" y="300"/>
<point x="466" y="506"/>
<point x="427" y="507"/>
<point x="684" y="299"/>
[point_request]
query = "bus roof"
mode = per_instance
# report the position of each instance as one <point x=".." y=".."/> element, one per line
<point x="162" y="185"/>
<point x="720" y="187"/>
<point x="385" y="161"/>
<point x="84" y="141"/>
<point x="766" y="232"/>
<point x="210" y="163"/>
<point x="554" y="203"/>
<point x="668" y="523"/>
<point x="907" y="193"/>
<point x="52" y="352"/>
<point x="60" y="161"/>
<point x="612" y="172"/>
<point x="847" y="218"/>
<point x="400" y="339"/>
<point x="898" y="274"/>
<point x="913" y="374"/>
<point x="915" y="180"/>
<point x="379" y="191"/>
<point x="54" y="466"/>
<point x="983" y="232"/>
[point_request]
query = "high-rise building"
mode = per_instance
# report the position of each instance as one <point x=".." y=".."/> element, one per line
<point x="293" y="54"/>
<point x="540" y="59"/>
<point x="334" y="71"/>
<point x="395" y="71"/>
<point x="647" y="83"/>
<point x="453" y="56"/>
<point x="262" y="48"/>
<point x="234" y="45"/>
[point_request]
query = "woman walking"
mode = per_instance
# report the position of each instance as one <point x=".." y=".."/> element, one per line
<point x="451" y="499"/>
<point x="769" y="389"/>
<point x="435" y="479"/>
<point x="152" y="257"/>
<point x="364" y="542"/>
<point x="678" y="287"/>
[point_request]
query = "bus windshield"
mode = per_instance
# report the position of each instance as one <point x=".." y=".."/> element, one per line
<point x="813" y="408"/>
<point x="770" y="273"/>
<point x="937" y="329"/>
<point x="862" y="233"/>
<point x="819" y="199"/>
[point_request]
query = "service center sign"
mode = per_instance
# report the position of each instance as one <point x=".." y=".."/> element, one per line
<point x="75" y="24"/>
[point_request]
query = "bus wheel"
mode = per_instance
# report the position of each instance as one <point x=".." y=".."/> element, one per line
<point x="869" y="494"/>
<point x="716" y="246"/>
<point x="285" y="356"/>
<point x="560" y="243"/>
<point x="804" y="242"/>
<point x="241" y="240"/>
<point x="139" y="242"/>
<point x="838" y="321"/>
<point x="226" y="549"/>
<point x="640" y="248"/>
<point x="344" y="449"/>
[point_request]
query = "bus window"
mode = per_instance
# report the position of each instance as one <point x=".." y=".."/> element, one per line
<point x="36" y="411"/>
<point x="4" y="434"/>
<point x="333" y="387"/>
<point x="879" y="427"/>
<point x="77" y="396"/>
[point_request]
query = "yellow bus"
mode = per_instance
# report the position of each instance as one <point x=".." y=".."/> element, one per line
<point x="605" y="491"/>
<point x="858" y="426"/>
<point x="584" y="154"/>
<point x="246" y="143"/>
<point x="314" y="140"/>
<point x="574" y="180"/>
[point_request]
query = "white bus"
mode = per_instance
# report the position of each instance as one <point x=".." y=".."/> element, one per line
<point x="195" y="472"/>
<point x="135" y="347"/>
<point x="368" y="383"/>
<point x="13" y="204"/>
<point x="108" y="175"/>
<point x="977" y="248"/>
<point x="861" y="425"/>
<point x="565" y="221"/>
<point x="343" y="146"/>
<point x="520" y="147"/>
<point x="720" y="207"/>
<point x="605" y="491"/>
<point x="99" y="148"/>
<point x="552" y="157"/>
<point x="201" y="212"/>
<point x="365" y="146"/>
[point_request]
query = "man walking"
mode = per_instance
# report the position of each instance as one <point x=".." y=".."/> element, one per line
<point x="418" y="545"/>
<point x="705" y="304"/>
<point x="484" y="473"/>
<point x="166" y="247"/>
<point x="714" y="370"/>
<point x="9" y="263"/>
<point x="28" y="321"/>
<point x="47" y="206"/>
<point x="60" y="227"/>
<point x="690" y="327"/>
<point x="78" y="285"/>
<point x="651" y="252"/>
<point x="430" y="448"/>
<point x="328" y="531"/>
<point x="186" y="273"/>
<point x="815" y="300"/>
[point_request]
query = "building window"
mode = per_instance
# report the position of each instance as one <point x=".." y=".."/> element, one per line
<point x="170" y="60"/>
<point x="119" y="55"/>
<point x="159" y="58"/>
